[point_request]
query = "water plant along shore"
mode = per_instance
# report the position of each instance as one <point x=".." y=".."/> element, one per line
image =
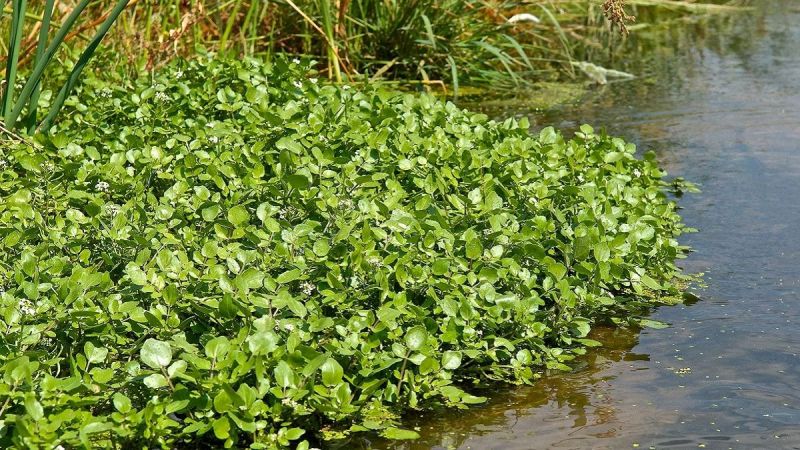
<point x="233" y="253"/>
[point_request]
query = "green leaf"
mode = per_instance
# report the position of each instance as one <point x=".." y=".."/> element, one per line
<point x="218" y="347"/>
<point x="122" y="403"/>
<point x="33" y="407"/>
<point x="321" y="247"/>
<point x="238" y="215"/>
<point x="655" y="324"/>
<point x="155" y="381"/>
<point x="294" y="434"/>
<point x="474" y="249"/>
<point x="651" y="283"/>
<point x="284" y="374"/>
<point x="288" y="276"/>
<point x="331" y="372"/>
<point x="399" y="434"/>
<point x="155" y="353"/>
<point x="263" y="342"/>
<point x="557" y="269"/>
<point x="451" y="360"/>
<point x="602" y="252"/>
<point x="298" y="181"/>
<point x="222" y="428"/>
<point x="416" y="337"/>
<point x="94" y="354"/>
<point x="210" y="213"/>
<point x="441" y="267"/>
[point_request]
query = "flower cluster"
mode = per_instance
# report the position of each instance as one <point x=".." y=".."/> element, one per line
<point x="307" y="287"/>
<point x="26" y="307"/>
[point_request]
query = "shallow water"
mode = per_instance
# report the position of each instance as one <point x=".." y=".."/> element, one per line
<point x="724" y="112"/>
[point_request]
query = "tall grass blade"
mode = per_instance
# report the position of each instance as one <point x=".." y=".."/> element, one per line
<point x="429" y="31"/>
<point x="38" y="69"/>
<point x="40" y="48"/>
<point x="14" y="42"/>
<point x="454" y="76"/>
<point x="520" y="51"/>
<point x="503" y="58"/>
<point x="87" y="54"/>
<point x="562" y="37"/>
<point x="223" y="42"/>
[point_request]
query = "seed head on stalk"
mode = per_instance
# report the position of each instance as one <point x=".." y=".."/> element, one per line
<point x="614" y="10"/>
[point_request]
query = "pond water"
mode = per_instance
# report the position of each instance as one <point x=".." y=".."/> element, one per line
<point x="722" y="111"/>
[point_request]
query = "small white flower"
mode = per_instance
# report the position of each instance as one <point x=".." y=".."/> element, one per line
<point x="580" y="178"/>
<point x="179" y="74"/>
<point x="298" y="84"/>
<point x="375" y="261"/>
<point x="524" y="17"/>
<point x="161" y="96"/>
<point x="213" y="139"/>
<point x="637" y="173"/>
<point x="3" y="164"/>
<point x="289" y="327"/>
<point x="487" y="231"/>
<point x="26" y="307"/>
<point x="308" y="288"/>
<point x="313" y="80"/>
<point x="346" y="204"/>
<point x="58" y="447"/>
<point x="286" y="212"/>
<point x="105" y="92"/>
<point x="49" y="166"/>
<point x="101" y="186"/>
<point x="346" y="87"/>
<point x="296" y="61"/>
<point x="112" y="209"/>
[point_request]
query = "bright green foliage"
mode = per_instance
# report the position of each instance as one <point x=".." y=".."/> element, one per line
<point x="229" y="253"/>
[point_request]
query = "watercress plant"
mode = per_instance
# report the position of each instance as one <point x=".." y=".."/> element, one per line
<point x="229" y="253"/>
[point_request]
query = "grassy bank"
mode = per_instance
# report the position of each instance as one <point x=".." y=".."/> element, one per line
<point x="441" y="45"/>
<point x="232" y="253"/>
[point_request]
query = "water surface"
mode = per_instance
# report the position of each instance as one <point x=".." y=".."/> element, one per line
<point x="722" y="110"/>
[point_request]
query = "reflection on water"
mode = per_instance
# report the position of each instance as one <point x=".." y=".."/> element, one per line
<point x="721" y="107"/>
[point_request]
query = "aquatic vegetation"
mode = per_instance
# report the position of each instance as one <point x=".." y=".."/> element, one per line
<point x="233" y="253"/>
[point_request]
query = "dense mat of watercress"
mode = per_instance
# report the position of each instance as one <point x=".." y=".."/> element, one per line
<point x="230" y="253"/>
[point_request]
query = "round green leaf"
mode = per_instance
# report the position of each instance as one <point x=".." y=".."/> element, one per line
<point x="416" y="337"/>
<point x="156" y="354"/>
<point x="451" y="360"/>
